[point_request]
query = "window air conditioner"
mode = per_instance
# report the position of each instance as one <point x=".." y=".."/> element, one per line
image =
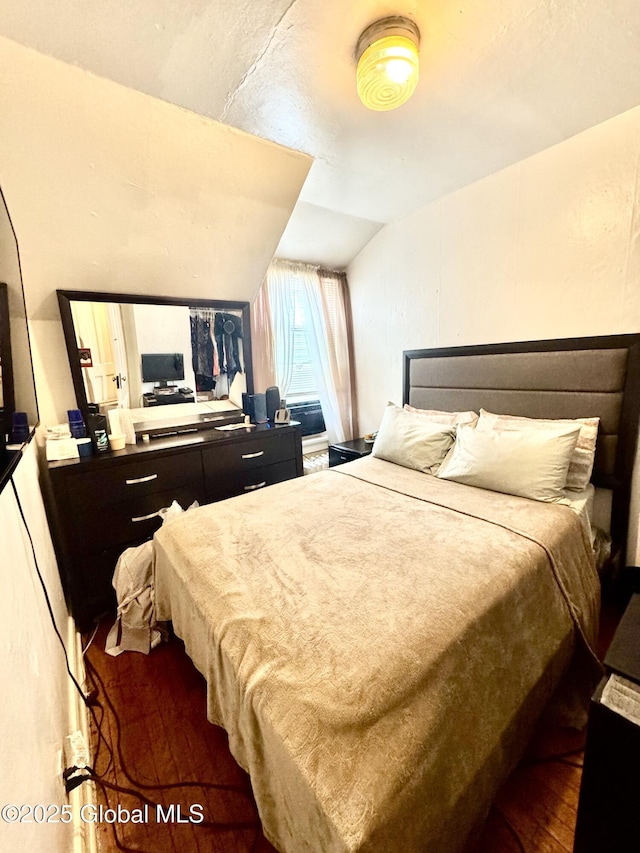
<point x="309" y="415"/>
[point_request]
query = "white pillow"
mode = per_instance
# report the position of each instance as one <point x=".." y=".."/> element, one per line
<point x="411" y="440"/>
<point x="445" y="418"/>
<point x="581" y="464"/>
<point x="530" y="464"/>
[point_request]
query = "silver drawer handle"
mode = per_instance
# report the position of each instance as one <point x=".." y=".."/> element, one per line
<point x="141" y="480"/>
<point x="145" y="517"/>
<point x="253" y="455"/>
<point x="257" y="486"/>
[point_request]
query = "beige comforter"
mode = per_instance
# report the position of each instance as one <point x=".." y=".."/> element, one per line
<point x="378" y="643"/>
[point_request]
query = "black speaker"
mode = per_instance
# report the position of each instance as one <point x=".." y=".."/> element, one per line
<point x="273" y="402"/>
<point x="255" y="405"/>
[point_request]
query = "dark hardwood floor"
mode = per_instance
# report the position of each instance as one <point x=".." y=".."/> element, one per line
<point x="165" y="738"/>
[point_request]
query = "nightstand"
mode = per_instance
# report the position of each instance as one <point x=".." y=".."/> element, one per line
<point x="347" y="451"/>
<point x="608" y="814"/>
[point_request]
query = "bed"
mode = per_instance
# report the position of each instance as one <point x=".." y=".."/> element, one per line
<point x="378" y="642"/>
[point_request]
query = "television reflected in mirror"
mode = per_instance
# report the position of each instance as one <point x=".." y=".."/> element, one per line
<point x="142" y="353"/>
<point x="162" y="367"/>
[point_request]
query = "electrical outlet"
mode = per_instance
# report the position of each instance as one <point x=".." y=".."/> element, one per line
<point x="76" y="759"/>
<point x="76" y="753"/>
<point x="60" y="766"/>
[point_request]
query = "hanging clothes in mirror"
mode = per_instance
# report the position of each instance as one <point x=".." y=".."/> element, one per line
<point x="203" y="351"/>
<point x="227" y="332"/>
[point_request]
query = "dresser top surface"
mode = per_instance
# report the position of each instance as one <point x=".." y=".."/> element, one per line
<point x="170" y="444"/>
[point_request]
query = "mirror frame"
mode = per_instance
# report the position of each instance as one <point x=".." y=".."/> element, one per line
<point x="65" y="297"/>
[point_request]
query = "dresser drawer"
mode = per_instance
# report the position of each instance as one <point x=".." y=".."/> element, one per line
<point x="227" y="485"/>
<point x="133" y="481"/>
<point x="106" y="504"/>
<point x="127" y="521"/>
<point x="339" y="456"/>
<point x="265" y="449"/>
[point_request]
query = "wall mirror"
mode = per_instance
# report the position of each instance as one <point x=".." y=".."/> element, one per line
<point x="153" y="355"/>
<point x="18" y="392"/>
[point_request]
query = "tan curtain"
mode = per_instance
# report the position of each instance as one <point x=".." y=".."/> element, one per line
<point x="264" y="374"/>
<point x="335" y="296"/>
<point x="325" y="300"/>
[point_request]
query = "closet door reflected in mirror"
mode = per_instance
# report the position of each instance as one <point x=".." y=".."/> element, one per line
<point x="123" y="348"/>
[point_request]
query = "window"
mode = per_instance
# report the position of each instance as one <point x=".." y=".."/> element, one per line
<point x="303" y="385"/>
<point x="301" y="340"/>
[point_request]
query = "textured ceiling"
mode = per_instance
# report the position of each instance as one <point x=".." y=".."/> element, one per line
<point x="500" y="80"/>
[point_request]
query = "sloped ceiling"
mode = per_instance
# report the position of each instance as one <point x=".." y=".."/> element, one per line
<point x="500" y="80"/>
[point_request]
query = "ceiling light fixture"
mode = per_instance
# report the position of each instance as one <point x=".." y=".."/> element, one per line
<point x="387" y="57"/>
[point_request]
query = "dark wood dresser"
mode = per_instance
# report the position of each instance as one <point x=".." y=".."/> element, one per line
<point x="106" y="503"/>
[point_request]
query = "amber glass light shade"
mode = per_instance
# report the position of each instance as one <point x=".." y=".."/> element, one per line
<point x="388" y="66"/>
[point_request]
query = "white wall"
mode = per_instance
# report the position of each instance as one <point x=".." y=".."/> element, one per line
<point x="35" y="706"/>
<point x="546" y="248"/>
<point x="164" y="328"/>
<point x="112" y="190"/>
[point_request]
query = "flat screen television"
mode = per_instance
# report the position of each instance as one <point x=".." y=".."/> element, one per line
<point x="162" y="367"/>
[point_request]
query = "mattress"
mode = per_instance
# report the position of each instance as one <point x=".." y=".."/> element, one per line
<point x="378" y="644"/>
<point x="582" y="503"/>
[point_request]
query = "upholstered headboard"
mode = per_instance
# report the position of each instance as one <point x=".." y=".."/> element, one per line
<point x="566" y="378"/>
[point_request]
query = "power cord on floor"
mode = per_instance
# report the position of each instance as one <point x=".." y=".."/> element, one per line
<point x="80" y="774"/>
<point x="556" y="758"/>
<point x="512" y="831"/>
<point x="108" y="786"/>
<point x="218" y="826"/>
<point x="91" y="670"/>
<point x="86" y="647"/>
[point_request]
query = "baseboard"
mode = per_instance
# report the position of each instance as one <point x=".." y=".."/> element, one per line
<point x="84" y="832"/>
